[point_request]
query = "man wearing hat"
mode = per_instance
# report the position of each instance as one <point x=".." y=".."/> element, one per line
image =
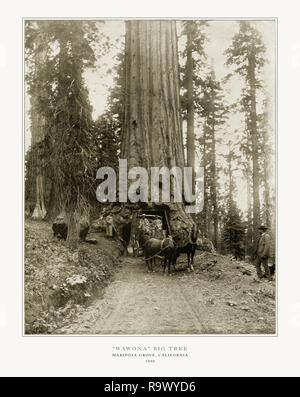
<point x="263" y="253"/>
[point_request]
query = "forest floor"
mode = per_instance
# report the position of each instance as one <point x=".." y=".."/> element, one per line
<point x="59" y="281"/>
<point x="222" y="296"/>
<point x="95" y="290"/>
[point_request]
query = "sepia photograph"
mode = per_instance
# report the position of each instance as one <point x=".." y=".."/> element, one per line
<point x="150" y="160"/>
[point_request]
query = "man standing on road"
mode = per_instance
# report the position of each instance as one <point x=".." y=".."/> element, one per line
<point x="263" y="253"/>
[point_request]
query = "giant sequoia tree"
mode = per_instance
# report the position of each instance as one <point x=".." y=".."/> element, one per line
<point x="72" y="152"/>
<point x="152" y="132"/>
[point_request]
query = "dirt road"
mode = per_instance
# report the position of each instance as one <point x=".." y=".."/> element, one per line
<point x="218" y="298"/>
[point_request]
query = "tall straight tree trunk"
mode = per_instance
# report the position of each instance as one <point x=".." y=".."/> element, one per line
<point x="214" y="188"/>
<point x="266" y="193"/>
<point x="39" y="211"/>
<point x="230" y="177"/>
<point x="38" y="130"/>
<point x="37" y="135"/>
<point x="249" y="234"/>
<point x="152" y="134"/>
<point x="190" y="141"/>
<point x="266" y="159"/>
<point x="230" y="187"/>
<point x="254" y="145"/>
<point x="204" y="213"/>
<point x="202" y="217"/>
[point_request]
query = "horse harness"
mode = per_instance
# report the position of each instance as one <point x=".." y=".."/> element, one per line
<point x="161" y="248"/>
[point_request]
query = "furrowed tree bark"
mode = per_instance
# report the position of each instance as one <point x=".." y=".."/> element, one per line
<point x="190" y="138"/>
<point x="152" y="134"/>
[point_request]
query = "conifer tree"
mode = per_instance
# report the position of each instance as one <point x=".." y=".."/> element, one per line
<point x="234" y="228"/>
<point x="68" y="142"/>
<point x="247" y="55"/>
<point x="214" y="111"/>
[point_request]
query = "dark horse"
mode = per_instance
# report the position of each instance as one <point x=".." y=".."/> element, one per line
<point x="189" y="249"/>
<point x="154" y="247"/>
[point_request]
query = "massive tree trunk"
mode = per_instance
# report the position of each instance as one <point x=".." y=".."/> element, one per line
<point x="190" y="137"/>
<point x="152" y="134"/>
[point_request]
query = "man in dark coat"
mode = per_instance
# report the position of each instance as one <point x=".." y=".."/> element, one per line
<point x="263" y="253"/>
